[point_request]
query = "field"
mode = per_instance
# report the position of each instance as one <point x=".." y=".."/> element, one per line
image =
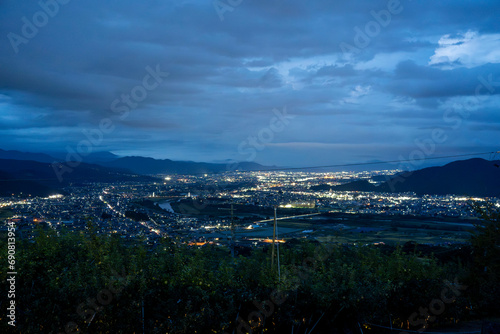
<point x="6" y="214"/>
<point x="343" y="227"/>
<point x="390" y="230"/>
<point x="241" y="211"/>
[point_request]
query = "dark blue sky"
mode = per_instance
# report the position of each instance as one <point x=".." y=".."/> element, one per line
<point x="359" y="80"/>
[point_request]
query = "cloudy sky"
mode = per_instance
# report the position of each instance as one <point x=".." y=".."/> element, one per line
<point x="352" y="81"/>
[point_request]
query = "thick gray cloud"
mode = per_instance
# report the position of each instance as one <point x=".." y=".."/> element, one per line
<point x="364" y="79"/>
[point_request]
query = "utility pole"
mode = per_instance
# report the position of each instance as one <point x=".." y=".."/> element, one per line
<point x="232" y="232"/>
<point x="274" y="239"/>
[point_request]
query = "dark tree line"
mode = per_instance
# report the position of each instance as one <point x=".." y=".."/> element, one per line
<point x="89" y="283"/>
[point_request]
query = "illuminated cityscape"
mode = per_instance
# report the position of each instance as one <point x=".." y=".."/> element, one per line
<point x="191" y="208"/>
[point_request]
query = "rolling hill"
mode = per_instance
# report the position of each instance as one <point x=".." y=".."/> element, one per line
<point x="472" y="177"/>
<point x="40" y="179"/>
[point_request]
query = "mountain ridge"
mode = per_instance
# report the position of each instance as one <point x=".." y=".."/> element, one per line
<point x="41" y="179"/>
<point x="146" y="165"/>
<point x="471" y="177"/>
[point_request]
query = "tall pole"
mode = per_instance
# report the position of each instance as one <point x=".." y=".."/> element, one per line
<point x="278" y="249"/>
<point x="231" y="244"/>
<point x="232" y="231"/>
<point x="274" y="239"/>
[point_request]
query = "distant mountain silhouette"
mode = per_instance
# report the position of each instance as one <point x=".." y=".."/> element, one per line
<point x="473" y="177"/>
<point x="40" y="179"/>
<point x="137" y="164"/>
<point x="92" y="158"/>
<point x="142" y="165"/>
<point x="17" y="155"/>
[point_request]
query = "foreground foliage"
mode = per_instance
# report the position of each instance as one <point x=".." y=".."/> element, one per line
<point x="90" y="283"/>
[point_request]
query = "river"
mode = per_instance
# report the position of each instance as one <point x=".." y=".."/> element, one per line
<point x="166" y="206"/>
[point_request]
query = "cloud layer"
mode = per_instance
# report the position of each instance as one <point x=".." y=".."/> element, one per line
<point x="365" y="80"/>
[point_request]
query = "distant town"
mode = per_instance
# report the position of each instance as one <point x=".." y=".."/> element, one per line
<point x="215" y="208"/>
